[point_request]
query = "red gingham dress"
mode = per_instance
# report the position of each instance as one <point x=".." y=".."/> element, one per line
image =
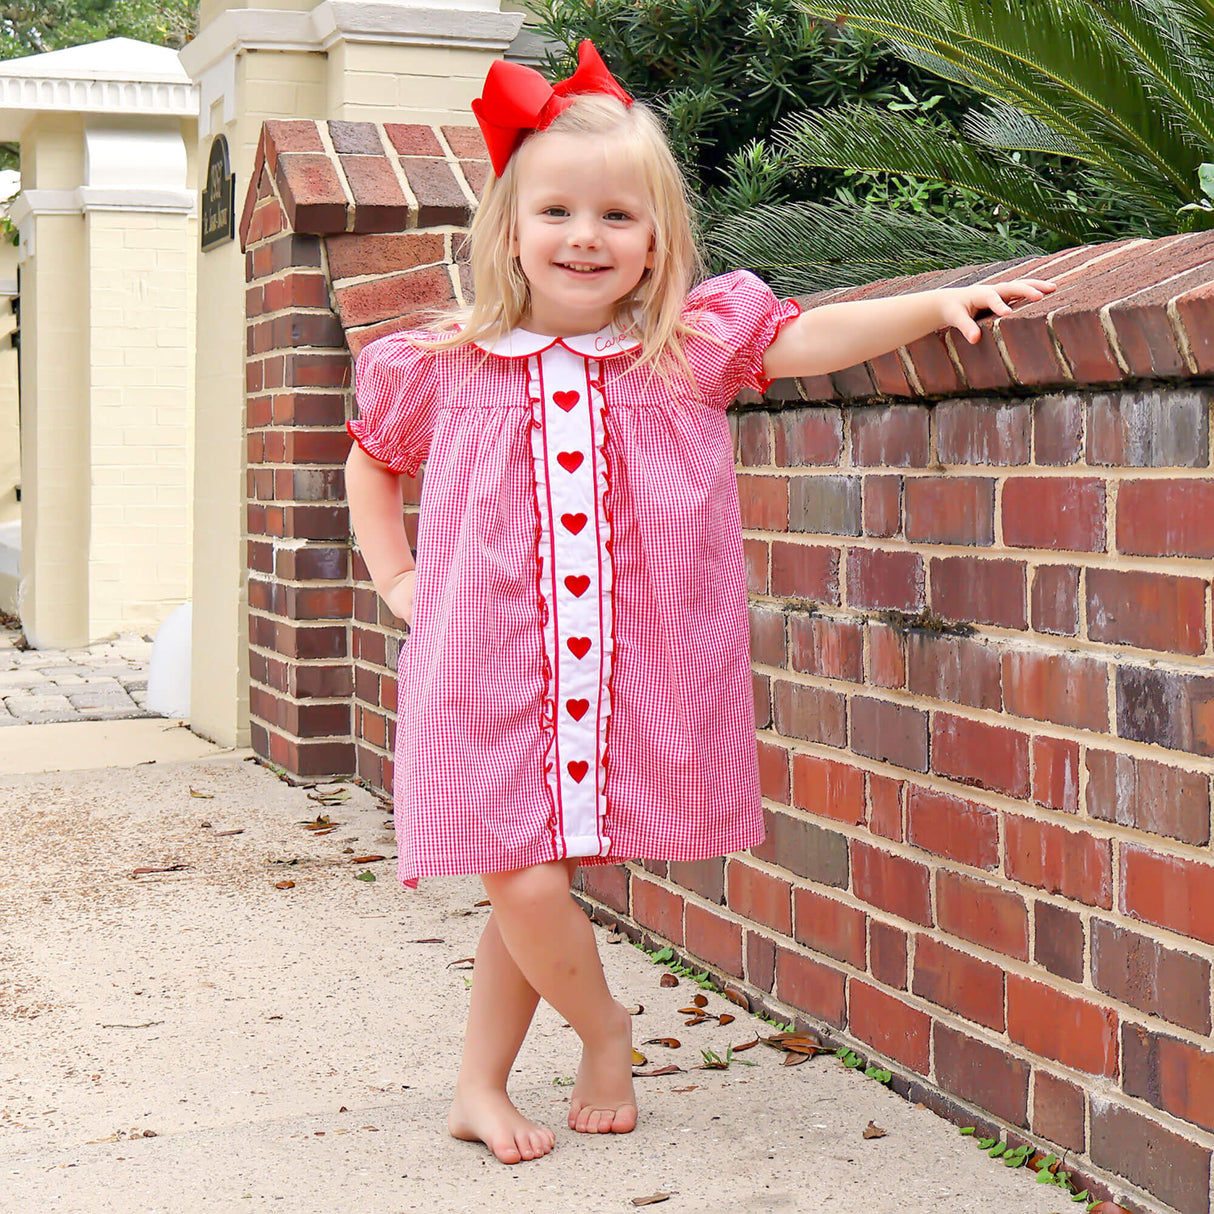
<point x="577" y="678"/>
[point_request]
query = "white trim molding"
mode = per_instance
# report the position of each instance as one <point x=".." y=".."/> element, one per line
<point x="35" y="93"/>
<point x="33" y="204"/>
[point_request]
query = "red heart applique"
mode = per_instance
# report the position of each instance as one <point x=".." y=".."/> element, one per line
<point x="571" y="461"/>
<point x="579" y="646"/>
<point x="578" y="584"/>
<point x="573" y="522"/>
<point x="578" y="769"/>
<point x="577" y="708"/>
<point x="565" y="400"/>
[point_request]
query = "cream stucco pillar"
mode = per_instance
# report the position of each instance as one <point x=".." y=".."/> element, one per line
<point x="54" y="436"/>
<point x="343" y="59"/>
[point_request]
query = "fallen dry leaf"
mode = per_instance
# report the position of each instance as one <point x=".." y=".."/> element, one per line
<point x="697" y="1020"/>
<point x="284" y="885"/>
<point x="749" y="1045"/>
<point x="700" y="1000"/>
<point x="671" y="1043"/>
<point x="725" y="1018"/>
<point x="462" y="963"/>
<point x="483" y="902"/>
<point x="668" y="1069"/>
<point x="737" y="997"/>
<point x="873" y="1131"/>
<point x="808" y="1043"/>
<point x="668" y="980"/>
<point x="650" y="1200"/>
<point x="795" y="1059"/>
<point x="693" y="1087"/>
<point x="689" y="1011"/>
<point x="336" y="797"/>
<point x="366" y="859"/>
<point x="636" y="1009"/>
<point x="429" y="940"/>
<point x="204" y="796"/>
<point x="614" y="938"/>
<point x="172" y="868"/>
<point x="638" y="1059"/>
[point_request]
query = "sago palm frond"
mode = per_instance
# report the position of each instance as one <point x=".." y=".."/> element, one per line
<point x="800" y="248"/>
<point x="1059" y="62"/>
<point x="872" y="140"/>
<point x="999" y="125"/>
<point x="1170" y="44"/>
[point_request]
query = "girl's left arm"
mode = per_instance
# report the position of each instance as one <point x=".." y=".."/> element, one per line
<point x="841" y="335"/>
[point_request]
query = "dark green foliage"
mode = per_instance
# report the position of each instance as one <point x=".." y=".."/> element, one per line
<point x="36" y="26"/>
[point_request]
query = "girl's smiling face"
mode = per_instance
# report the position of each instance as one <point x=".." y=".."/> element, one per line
<point x="583" y="236"/>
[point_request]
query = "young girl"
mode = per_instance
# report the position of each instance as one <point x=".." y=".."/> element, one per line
<point x="576" y="687"/>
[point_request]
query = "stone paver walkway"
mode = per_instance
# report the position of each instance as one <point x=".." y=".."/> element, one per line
<point x="105" y="681"/>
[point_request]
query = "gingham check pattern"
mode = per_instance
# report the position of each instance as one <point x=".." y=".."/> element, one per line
<point x="476" y="706"/>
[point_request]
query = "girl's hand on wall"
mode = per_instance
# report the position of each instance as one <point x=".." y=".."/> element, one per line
<point x="399" y="596"/>
<point x="959" y="305"/>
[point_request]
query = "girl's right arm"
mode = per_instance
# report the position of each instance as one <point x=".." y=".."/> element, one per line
<point x="377" y="517"/>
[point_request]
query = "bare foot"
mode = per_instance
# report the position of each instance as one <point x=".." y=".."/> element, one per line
<point x="489" y="1116"/>
<point x="603" y="1100"/>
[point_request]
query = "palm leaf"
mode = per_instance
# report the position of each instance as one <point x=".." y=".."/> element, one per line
<point x="1169" y="44"/>
<point x="872" y="140"/>
<point x="1053" y="59"/>
<point x="800" y="248"/>
<point x="999" y="125"/>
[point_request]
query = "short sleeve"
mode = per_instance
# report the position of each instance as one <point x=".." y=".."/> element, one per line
<point x="734" y="318"/>
<point x="396" y="390"/>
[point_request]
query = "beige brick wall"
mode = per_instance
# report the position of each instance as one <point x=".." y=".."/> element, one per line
<point x="141" y="287"/>
<point x="376" y="82"/>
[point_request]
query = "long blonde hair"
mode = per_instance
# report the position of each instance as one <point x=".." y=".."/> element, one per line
<point x="652" y="311"/>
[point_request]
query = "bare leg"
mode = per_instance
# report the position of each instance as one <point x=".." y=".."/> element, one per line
<point x="502" y="1005"/>
<point x="553" y="945"/>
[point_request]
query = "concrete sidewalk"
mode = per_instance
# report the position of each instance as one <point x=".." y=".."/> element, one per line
<point x="200" y="1040"/>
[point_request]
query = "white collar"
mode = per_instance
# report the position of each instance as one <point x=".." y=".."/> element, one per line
<point x="521" y="343"/>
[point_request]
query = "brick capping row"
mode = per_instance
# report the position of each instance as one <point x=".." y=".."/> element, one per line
<point x="1127" y="311"/>
<point x="982" y="639"/>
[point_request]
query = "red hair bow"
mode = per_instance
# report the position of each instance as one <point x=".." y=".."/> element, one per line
<point x="517" y="100"/>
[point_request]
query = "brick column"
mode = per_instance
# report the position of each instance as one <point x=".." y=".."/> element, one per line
<point x="351" y="230"/>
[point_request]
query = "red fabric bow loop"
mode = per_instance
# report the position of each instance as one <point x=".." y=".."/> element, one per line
<point x="517" y="100"/>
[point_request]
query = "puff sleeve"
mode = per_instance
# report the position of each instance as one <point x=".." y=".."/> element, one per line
<point x="396" y="389"/>
<point x="735" y="317"/>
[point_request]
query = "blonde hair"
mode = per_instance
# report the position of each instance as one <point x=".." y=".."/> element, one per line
<point x="652" y="311"/>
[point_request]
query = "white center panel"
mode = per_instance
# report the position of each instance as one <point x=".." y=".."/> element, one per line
<point x="568" y="436"/>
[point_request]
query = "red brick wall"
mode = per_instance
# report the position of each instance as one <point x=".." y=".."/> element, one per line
<point x="351" y="230"/>
<point x="981" y="636"/>
<point x="981" y="615"/>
